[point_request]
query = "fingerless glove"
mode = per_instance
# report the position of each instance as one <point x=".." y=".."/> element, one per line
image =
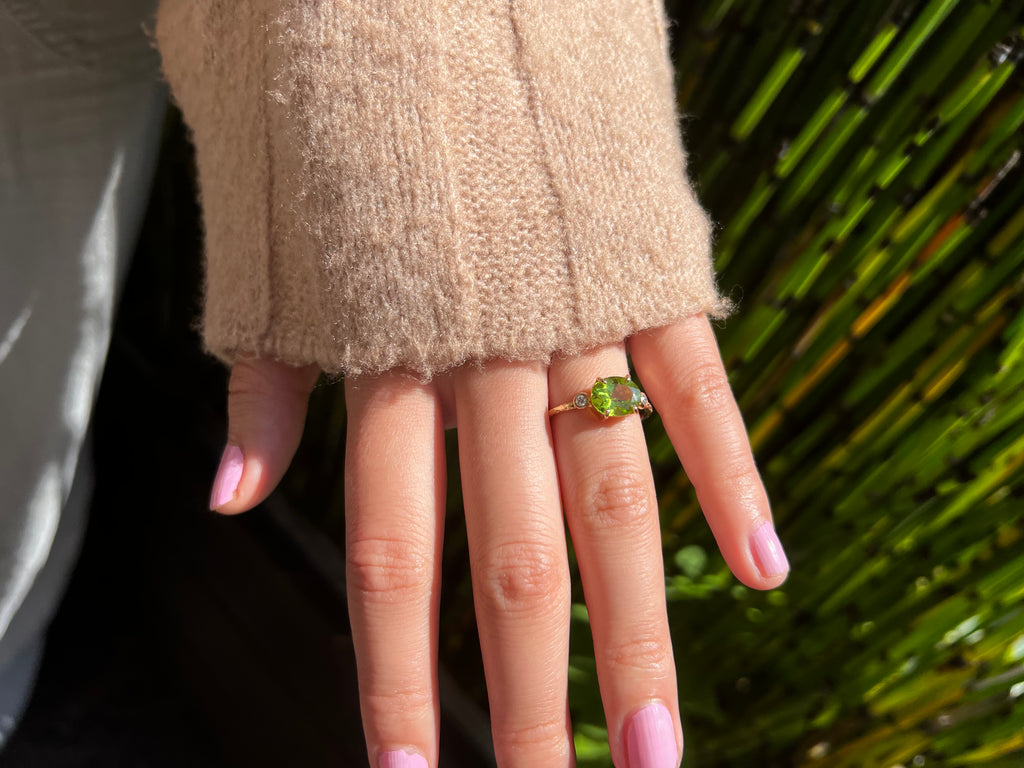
<point x="417" y="184"/>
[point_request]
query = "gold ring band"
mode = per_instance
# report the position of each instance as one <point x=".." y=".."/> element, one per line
<point x="609" y="397"/>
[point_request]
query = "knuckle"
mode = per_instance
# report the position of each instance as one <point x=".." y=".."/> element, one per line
<point x="249" y="380"/>
<point x="522" y="577"/>
<point x="255" y="381"/>
<point x="740" y="475"/>
<point x="547" y="739"/>
<point x="647" y="653"/>
<point x="705" y="389"/>
<point x="616" y="496"/>
<point x="247" y="400"/>
<point x="397" y="705"/>
<point x="388" y="569"/>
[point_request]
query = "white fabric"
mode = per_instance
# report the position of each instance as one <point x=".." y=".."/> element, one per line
<point x="81" y="107"/>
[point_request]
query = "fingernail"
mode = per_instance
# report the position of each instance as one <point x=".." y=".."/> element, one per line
<point x="651" y="739"/>
<point x="399" y="759"/>
<point x="768" y="552"/>
<point x="228" y="474"/>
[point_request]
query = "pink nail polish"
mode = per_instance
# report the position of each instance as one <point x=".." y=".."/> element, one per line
<point x="228" y="474"/>
<point x="768" y="552"/>
<point x="651" y="738"/>
<point x="400" y="759"/>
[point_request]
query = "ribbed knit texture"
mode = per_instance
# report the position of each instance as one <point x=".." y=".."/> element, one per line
<point x="421" y="183"/>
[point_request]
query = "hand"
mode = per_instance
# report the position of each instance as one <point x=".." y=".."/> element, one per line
<point x="520" y="471"/>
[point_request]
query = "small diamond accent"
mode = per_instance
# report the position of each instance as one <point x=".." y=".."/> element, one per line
<point x="580" y="401"/>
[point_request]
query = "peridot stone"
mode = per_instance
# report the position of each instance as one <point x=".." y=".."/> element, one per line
<point x="615" y="396"/>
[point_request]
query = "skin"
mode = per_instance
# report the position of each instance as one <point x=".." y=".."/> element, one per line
<point x="521" y="472"/>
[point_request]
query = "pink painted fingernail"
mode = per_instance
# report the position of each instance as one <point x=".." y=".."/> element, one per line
<point x="768" y="552"/>
<point x="399" y="759"/>
<point x="651" y="738"/>
<point x="228" y="474"/>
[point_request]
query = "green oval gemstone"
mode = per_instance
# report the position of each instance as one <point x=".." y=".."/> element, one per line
<point x="615" y="396"/>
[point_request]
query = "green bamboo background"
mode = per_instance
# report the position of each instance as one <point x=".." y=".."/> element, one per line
<point x="863" y="161"/>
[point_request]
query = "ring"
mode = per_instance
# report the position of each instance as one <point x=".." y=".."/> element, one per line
<point x="611" y="396"/>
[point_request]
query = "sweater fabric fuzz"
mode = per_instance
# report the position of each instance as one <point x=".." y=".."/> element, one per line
<point x="419" y="184"/>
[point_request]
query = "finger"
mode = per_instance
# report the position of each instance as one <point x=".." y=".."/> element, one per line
<point x="267" y="403"/>
<point x="683" y="375"/>
<point x="518" y="557"/>
<point x="394" y="499"/>
<point x="612" y="511"/>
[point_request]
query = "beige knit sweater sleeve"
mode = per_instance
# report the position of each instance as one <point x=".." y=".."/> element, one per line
<point x="422" y="183"/>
